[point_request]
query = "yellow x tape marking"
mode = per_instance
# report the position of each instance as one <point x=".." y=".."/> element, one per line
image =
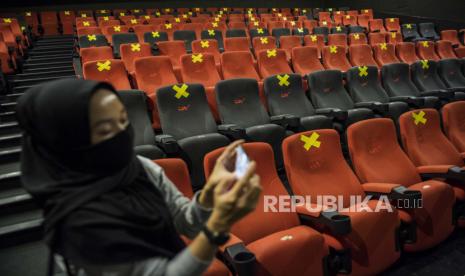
<point x="92" y="37"/>
<point x="333" y="49"/>
<point x="197" y="9"/>
<point x="104" y="66"/>
<point x="391" y="20"/>
<point x="274" y="9"/>
<point x="284" y="18"/>
<point x="147" y="17"/>
<point x="106" y="18"/>
<point x="28" y="14"/>
<point x="86" y="23"/>
<point x="158" y="13"/>
<point x="256" y="24"/>
<point x="83" y="15"/>
<point x="211" y="32"/>
<point x="314" y="38"/>
<point x="338" y="12"/>
<point x="383" y="46"/>
<point x="7" y="20"/>
<point x="408" y="26"/>
<point x="311" y="141"/>
<point x="167" y="10"/>
<point x="197" y="58"/>
<point x="181" y="91"/>
<point x="283" y="80"/>
<point x="225" y="9"/>
<point x="135" y="47"/>
<point x="363" y="71"/>
<point x="425" y="44"/>
<point x="134" y="21"/>
<point x="304" y="11"/>
<point x="347" y="16"/>
<point x="184" y="16"/>
<point x="424" y="64"/>
<point x="177" y="19"/>
<point x="252" y="18"/>
<point x="190" y="13"/>
<point x="205" y="43"/>
<point x="117" y="28"/>
<point x="122" y="14"/>
<point x="155" y="34"/>
<point x="419" y="118"/>
<point x="23" y="28"/>
<point x="264" y="40"/>
<point x="271" y="53"/>
<point x="103" y="11"/>
<point x="393" y="35"/>
<point x="220" y="15"/>
<point x="168" y="26"/>
<point x="136" y="11"/>
<point x="300" y="30"/>
<point x="357" y="36"/>
<point x="260" y="31"/>
<point x="338" y="28"/>
<point x="214" y="24"/>
<point x="325" y="23"/>
<point x="366" y="11"/>
<point x="292" y="23"/>
<point x="217" y="19"/>
<point x="67" y="13"/>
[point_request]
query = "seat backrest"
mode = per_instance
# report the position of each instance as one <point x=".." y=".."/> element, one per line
<point x="110" y="70"/>
<point x="410" y="31"/>
<point x="96" y="53"/>
<point x="258" y="32"/>
<point x="449" y="70"/>
<point x="376" y="38"/>
<point x="300" y="31"/>
<point x="263" y="43"/>
<point x="199" y="68"/>
<point x="356" y="29"/>
<point x="363" y="20"/>
<point x="262" y="223"/>
<point x="428" y="30"/>
<point x="184" y="110"/>
<point x="273" y="62"/>
<point x="337" y="39"/>
<point x="445" y="50"/>
<point x="376" y="25"/>
<point x="238" y="64"/>
<point x="361" y="55"/>
<point x="173" y="49"/>
<point x="327" y="90"/>
<point x="376" y="154"/>
<point x="322" y="31"/>
<point x="339" y="30"/>
<point x="426" y="50"/>
<point x="305" y="60"/>
<point x="119" y="39"/>
<point x="239" y="103"/>
<point x="135" y="102"/>
<point x="334" y="57"/>
<point x="279" y="32"/>
<point x="394" y="38"/>
<point x="406" y="52"/>
<point x="140" y="30"/>
<point x="155" y="36"/>
<point x="275" y="25"/>
<point x="213" y="34"/>
<point x="288" y="42"/>
<point x="88" y="31"/>
<point x="111" y="30"/>
<point x="185" y="35"/>
<point x="392" y="24"/>
<point x="285" y="95"/>
<point x="363" y="85"/>
<point x="316" y="166"/>
<point x="207" y="46"/>
<point x="130" y="52"/>
<point x="357" y="38"/>
<point x="176" y="170"/>
<point x="236" y="44"/>
<point x="92" y="40"/>
<point x="235" y="33"/>
<point x="453" y="116"/>
<point x="451" y="36"/>
<point x="396" y="80"/>
<point x="153" y="72"/>
<point x="385" y="53"/>
<point x="423" y="140"/>
<point x="425" y="75"/>
<point x="109" y="23"/>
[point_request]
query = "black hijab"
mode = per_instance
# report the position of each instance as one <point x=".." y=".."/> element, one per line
<point x="99" y="205"/>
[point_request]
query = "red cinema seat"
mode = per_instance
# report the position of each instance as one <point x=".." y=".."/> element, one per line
<point x="110" y="70"/>
<point x="334" y="57"/>
<point x="451" y="36"/>
<point x="376" y="38"/>
<point x="88" y="31"/>
<point x="385" y="53"/>
<point x="287" y="43"/>
<point x="132" y="51"/>
<point x="368" y="12"/>
<point x="392" y="24"/>
<point x="238" y="64"/>
<point x="357" y="38"/>
<point x="305" y="60"/>
<point x="445" y="49"/>
<point x="338" y="40"/>
<point x="406" y="52"/>
<point x="426" y="50"/>
<point x="273" y="62"/>
<point x="361" y="55"/>
<point x="49" y="23"/>
<point x="236" y="44"/>
<point x="453" y="116"/>
<point x="349" y="20"/>
<point x="316" y="41"/>
<point x="394" y="38"/>
<point x="86" y="23"/>
<point x="362" y="20"/>
<point x="376" y="26"/>
<point x="207" y="46"/>
<point x="263" y="43"/>
<point x="174" y="50"/>
<point x="377" y="157"/>
<point x="96" y="53"/>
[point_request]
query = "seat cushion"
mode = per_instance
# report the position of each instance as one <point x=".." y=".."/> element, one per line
<point x="271" y="134"/>
<point x="295" y="251"/>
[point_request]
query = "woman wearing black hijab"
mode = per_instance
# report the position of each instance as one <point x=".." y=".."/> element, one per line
<point x="107" y="210"/>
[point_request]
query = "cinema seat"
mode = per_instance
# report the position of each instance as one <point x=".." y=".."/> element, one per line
<point x="394" y="38"/>
<point x="376" y="26"/>
<point x="451" y="36"/>
<point x="272" y="62"/>
<point x="357" y="38"/>
<point x="130" y="52"/>
<point x="110" y="70"/>
<point x="410" y="32"/>
<point x="263" y="43"/>
<point x="392" y="24"/>
<point x="120" y="39"/>
<point x="428" y="31"/>
<point x="334" y="58"/>
<point x="91" y="40"/>
<point x="287" y="43"/>
<point x="213" y="34"/>
<point x="209" y="46"/>
<point x="426" y="51"/>
<point x="316" y="41"/>
<point x="361" y="55"/>
<point x="262" y="233"/>
<point x="451" y="73"/>
<point x="236" y="44"/>
<point x="189" y="129"/>
<point x="376" y="38"/>
<point x="445" y="49"/>
<point x="187" y="36"/>
<point x="453" y="116"/>
<point x="96" y="53"/>
<point x="377" y="157"/>
<point x="406" y="52"/>
<point x="338" y="40"/>
<point x="154" y="37"/>
<point x="238" y="64"/>
<point x="316" y="166"/>
<point x="174" y="50"/>
<point x="240" y="110"/>
<point x="305" y="60"/>
<point x="111" y="30"/>
<point x="385" y="54"/>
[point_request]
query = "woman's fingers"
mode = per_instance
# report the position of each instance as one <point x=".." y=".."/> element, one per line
<point x="243" y="181"/>
<point x="229" y="150"/>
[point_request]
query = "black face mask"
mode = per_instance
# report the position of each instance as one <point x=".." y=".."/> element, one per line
<point x="107" y="157"/>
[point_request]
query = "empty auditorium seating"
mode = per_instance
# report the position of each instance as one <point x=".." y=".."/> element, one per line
<point x="334" y="57"/>
<point x="288" y="42"/>
<point x="426" y="50"/>
<point x="305" y="60"/>
<point x="263" y="43"/>
<point x="236" y="44"/>
<point x="327" y="92"/>
<point x="236" y="33"/>
<point x="272" y="62"/>
<point x="110" y="70"/>
<point x="376" y="38"/>
<point x="279" y="32"/>
<point x="406" y="52"/>
<point x="363" y="20"/>
<point x="130" y="52"/>
<point x="410" y="32"/>
<point x="392" y="24"/>
<point x="140" y="30"/>
<point x="207" y="46"/>
<point x="154" y="37"/>
<point x="111" y="30"/>
<point x="187" y="122"/>
<point x="239" y="107"/>
<point x="96" y="53"/>
<point x="339" y="30"/>
<point x="321" y="31"/>
<point x="361" y="55"/>
<point x="286" y="100"/>
<point x="238" y="64"/>
<point x="317" y="41"/>
<point x="394" y="38"/>
<point x="349" y="20"/>
<point x="357" y="38"/>
<point x="451" y="36"/>
<point x="266" y="240"/>
<point x="338" y="40"/>
<point x="445" y="50"/>
<point x="453" y="116"/>
<point x="213" y="34"/>
<point x="378" y="158"/>
<point x="428" y="30"/>
<point x="451" y="74"/>
<point x="174" y="50"/>
<point x="300" y="31"/>
<point x="385" y="53"/>
<point x="316" y="157"/>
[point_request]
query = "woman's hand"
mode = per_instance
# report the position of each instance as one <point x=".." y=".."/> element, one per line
<point x="234" y="200"/>
<point x="223" y="170"/>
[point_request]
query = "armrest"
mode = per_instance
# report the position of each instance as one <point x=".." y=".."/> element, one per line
<point x="335" y="113"/>
<point x="463" y="155"/>
<point x="442" y="171"/>
<point x="395" y="192"/>
<point x="167" y="143"/>
<point x="375" y="106"/>
<point x="337" y="223"/>
<point x="442" y="94"/>
<point x="456" y="89"/>
<point x="236" y="254"/>
<point x="286" y="120"/>
<point x="231" y="130"/>
<point x="412" y="101"/>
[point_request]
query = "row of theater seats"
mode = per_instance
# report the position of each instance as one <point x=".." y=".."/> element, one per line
<point x="346" y="240"/>
<point x="14" y="43"/>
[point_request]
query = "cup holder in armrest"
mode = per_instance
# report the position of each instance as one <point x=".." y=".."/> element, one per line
<point x="338" y="224"/>
<point x="242" y="259"/>
<point x="410" y="198"/>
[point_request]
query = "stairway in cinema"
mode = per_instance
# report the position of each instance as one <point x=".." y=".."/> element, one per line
<point x="21" y="250"/>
